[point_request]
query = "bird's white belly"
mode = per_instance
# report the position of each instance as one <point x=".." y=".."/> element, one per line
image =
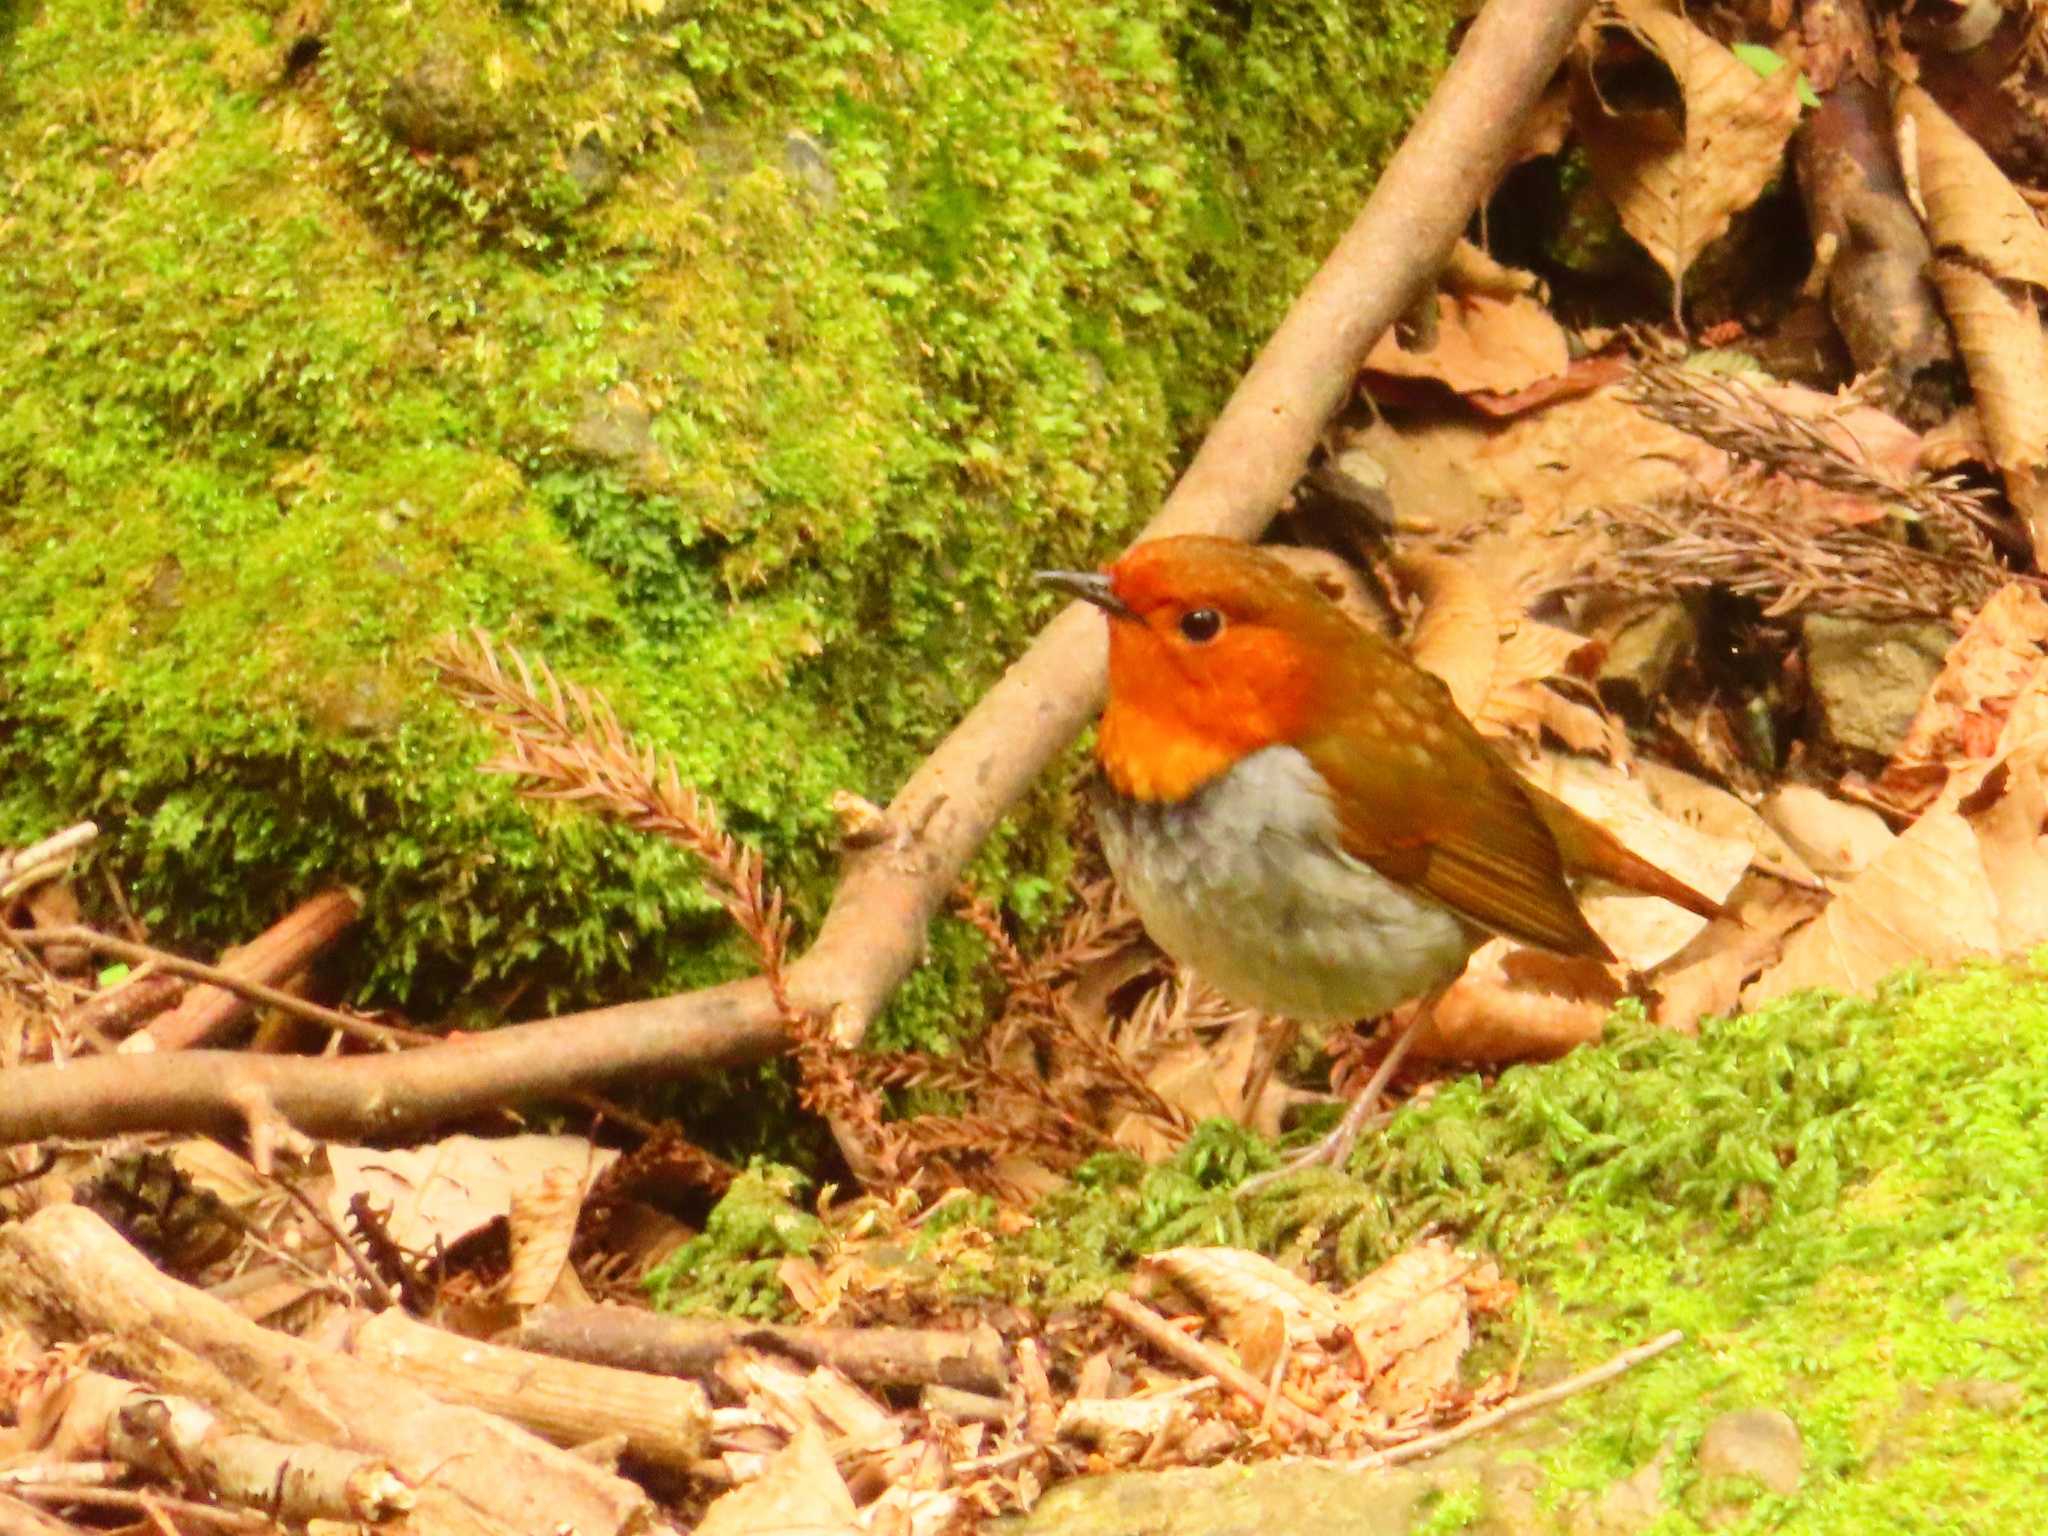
<point x="1247" y="883"/>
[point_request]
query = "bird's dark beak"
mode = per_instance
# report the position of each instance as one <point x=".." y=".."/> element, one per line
<point x="1090" y="587"/>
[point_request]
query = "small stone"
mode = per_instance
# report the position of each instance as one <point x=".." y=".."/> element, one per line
<point x="1759" y="1443"/>
<point x="1868" y="678"/>
<point x="805" y="159"/>
<point x="1633" y="1504"/>
<point x="1644" y="653"/>
<point x="1988" y="1396"/>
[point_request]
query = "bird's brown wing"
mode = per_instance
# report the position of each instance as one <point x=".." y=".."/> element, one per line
<point x="1459" y="827"/>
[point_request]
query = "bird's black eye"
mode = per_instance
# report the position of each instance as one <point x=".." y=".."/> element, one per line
<point x="1201" y="624"/>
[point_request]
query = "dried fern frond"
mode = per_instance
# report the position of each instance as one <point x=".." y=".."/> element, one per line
<point x="1734" y="415"/>
<point x="1754" y="548"/>
<point x="565" y="741"/>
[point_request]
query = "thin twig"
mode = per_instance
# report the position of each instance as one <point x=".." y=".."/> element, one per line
<point x="1514" y="1408"/>
<point x="341" y="1240"/>
<point x="123" y="1498"/>
<point x="40" y="861"/>
<point x="1206" y="1360"/>
<point x="386" y="1035"/>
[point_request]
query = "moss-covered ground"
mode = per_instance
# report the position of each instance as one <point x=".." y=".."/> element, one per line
<point x="1843" y="1203"/>
<point x="743" y="358"/>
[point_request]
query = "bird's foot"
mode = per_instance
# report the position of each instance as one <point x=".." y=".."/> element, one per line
<point x="1334" y="1150"/>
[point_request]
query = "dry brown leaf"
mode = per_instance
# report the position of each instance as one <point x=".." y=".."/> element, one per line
<point x="1677" y="180"/>
<point x="1708" y="975"/>
<point x="1518" y="1004"/>
<point x="1495" y="659"/>
<point x="1643" y="931"/>
<point x="1410" y="1323"/>
<point x="1998" y="326"/>
<point x="1458" y="634"/>
<point x="799" y="1494"/>
<point x="2002" y="654"/>
<point x="1969" y="879"/>
<point x="1238" y="1288"/>
<point x="1693" y="802"/>
<point x="1836" y="839"/>
<point x="542" y="1227"/>
<point x="445" y="1191"/>
<point x="1482" y="343"/>
<point x="1971" y="208"/>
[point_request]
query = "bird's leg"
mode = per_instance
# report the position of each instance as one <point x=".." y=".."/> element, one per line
<point x="1334" y="1150"/>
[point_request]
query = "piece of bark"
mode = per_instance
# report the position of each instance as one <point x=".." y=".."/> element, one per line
<point x="966" y="1407"/>
<point x="1869" y="243"/>
<point x="974" y="1360"/>
<point x="70" y="1277"/>
<point x="666" y="1422"/>
<point x="278" y="952"/>
<point x="876" y="930"/>
<point x="180" y="1440"/>
<point x="120" y="1009"/>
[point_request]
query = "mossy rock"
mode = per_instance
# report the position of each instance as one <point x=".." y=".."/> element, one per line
<point x="333" y="328"/>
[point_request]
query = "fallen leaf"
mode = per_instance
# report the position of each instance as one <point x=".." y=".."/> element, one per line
<point x="1239" y="1288"/>
<point x="442" y="1192"/>
<point x="1837" y="840"/>
<point x="1481" y="342"/>
<point x="1970" y="205"/>
<point x="1708" y="975"/>
<point x="1410" y="1323"/>
<point x="2002" y="653"/>
<point x="542" y="1228"/>
<point x="800" y="1493"/>
<point x="1643" y="931"/>
<point x="1969" y="879"/>
<point x="1678" y="177"/>
<point x="1991" y="265"/>
<point x="1693" y="802"/>
<point x="1513" y="1003"/>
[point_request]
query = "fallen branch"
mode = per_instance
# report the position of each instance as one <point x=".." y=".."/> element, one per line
<point x="70" y="1278"/>
<point x="874" y="933"/>
<point x="368" y="1030"/>
<point x="42" y="861"/>
<point x="665" y="1422"/>
<point x="273" y="955"/>
<point x="682" y="1346"/>
<point x="187" y="1443"/>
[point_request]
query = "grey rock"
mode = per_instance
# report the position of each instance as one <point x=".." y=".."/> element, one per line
<point x="1868" y="677"/>
<point x="1645" y="652"/>
<point x="435" y="107"/>
<point x="1633" y="1504"/>
<point x="1759" y="1443"/>
<point x="805" y="159"/>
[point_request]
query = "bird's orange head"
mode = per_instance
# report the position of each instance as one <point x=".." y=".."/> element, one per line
<point x="1215" y="652"/>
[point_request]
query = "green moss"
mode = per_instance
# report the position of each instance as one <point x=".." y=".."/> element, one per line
<point x="743" y="360"/>
<point x="729" y="1268"/>
<point x="1844" y="1205"/>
